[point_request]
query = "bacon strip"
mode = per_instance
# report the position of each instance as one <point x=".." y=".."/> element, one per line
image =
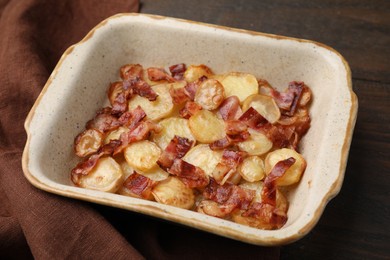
<point x="253" y="119"/>
<point x="176" y="148"/>
<point x="178" y="70"/>
<point x="158" y="74"/>
<point x="131" y="72"/>
<point x="287" y="101"/>
<point x="189" y="109"/>
<point x="228" y="165"/>
<point x="103" y="121"/>
<point x="140" y="132"/>
<point x="229" y="196"/>
<point x="268" y="194"/>
<point x="190" y="175"/>
<point x="140" y="88"/>
<point x="131" y="118"/>
<point x="139" y="186"/>
<point x="192" y="87"/>
<point x="230" y="108"/>
<point x="178" y="95"/>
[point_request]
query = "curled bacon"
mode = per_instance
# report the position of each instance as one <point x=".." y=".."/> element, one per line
<point x="178" y="95"/>
<point x="229" y="196"/>
<point x="178" y="70"/>
<point x="228" y="165"/>
<point x="104" y="121"/>
<point x="191" y="175"/>
<point x="131" y="118"/>
<point x="236" y="131"/>
<point x="253" y="119"/>
<point x="230" y="108"/>
<point x="176" y="148"/>
<point x="287" y="101"/>
<point x="139" y="186"/>
<point x="159" y="74"/>
<point x="189" y="109"/>
<point x="131" y="72"/>
<point x="140" y="88"/>
<point x="140" y="132"/>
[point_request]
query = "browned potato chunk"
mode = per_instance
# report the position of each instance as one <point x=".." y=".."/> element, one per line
<point x="252" y="169"/>
<point x="206" y="126"/>
<point x="294" y="173"/>
<point x="174" y="192"/>
<point x="88" y="142"/>
<point x="105" y="176"/>
<point x="256" y="144"/>
<point x="210" y="94"/>
<point x="169" y="128"/>
<point x="194" y="72"/>
<point x="239" y="84"/>
<point x="142" y="155"/>
<point x="203" y="157"/>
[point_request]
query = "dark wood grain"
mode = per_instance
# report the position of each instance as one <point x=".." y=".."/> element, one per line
<point x="355" y="224"/>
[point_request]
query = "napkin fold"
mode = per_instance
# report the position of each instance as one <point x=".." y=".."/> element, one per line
<point x="40" y="225"/>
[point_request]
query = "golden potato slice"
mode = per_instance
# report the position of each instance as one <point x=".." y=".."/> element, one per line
<point x="252" y="169"/>
<point x="203" y="157"/>
<point x="115" y="134"/>
<point x="194" y="72"/>
<point x="142" y="155"/>
<point x="157" y="109"/>
<point x="211" y="208"/>
<point x="105" y="176"/>
<point x="169" y="128"/>
<point x="206" y="126"/>
<point x="88" y="142"/>
<point x="174" y="192"/>
<point x="294" y="173"/>
<point x="239" y="84"/>
<point x="265" y="105"/>
<point x="256" y="186"/>
<point x="210" y="94"/>
<point x="256" y="144"/>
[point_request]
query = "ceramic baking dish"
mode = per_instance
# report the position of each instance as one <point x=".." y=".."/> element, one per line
<point x="77" y="88"/>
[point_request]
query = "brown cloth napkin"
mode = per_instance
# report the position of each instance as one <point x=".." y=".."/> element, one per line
<point x="40" y="225"/>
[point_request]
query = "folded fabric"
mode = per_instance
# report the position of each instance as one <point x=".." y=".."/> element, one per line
<point x="40" y="225"/>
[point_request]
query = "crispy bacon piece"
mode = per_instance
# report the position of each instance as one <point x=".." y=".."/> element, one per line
<point x="266" y="215"/>
<point x="103" y="121"/>
<point x="176" y="148"/>
<point x="230" y="108"/>
<point x="131" y="118"/>
<point x="229" y="196"/>
<point x="139" y="186"/>
<point x="190" y="175"/>
<point x="189" y="109"/>
<point x="140" y="88"/>
<point x="253" y="119"/>
<point x="140" y="132"/>
<point x="159" y="74"/>
<point x="236" y="131"/>
<point x="84" y="167"/>
<point x="178" y="95"/>
<point x="228" y="165"/>
<point x="268" y="194"/>
<point x="287" y="101"/>
<point x="178" y="70"/>
<point x="131" y="72"/>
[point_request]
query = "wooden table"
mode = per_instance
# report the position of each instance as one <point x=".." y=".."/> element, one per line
<point x="356" y="223"/>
